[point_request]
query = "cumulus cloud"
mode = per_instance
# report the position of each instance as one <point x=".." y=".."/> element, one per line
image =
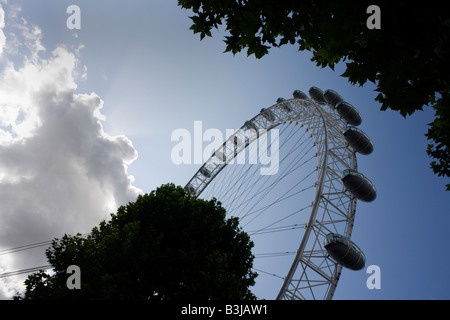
<point x="2" y="35"/>
<point x="59" y="171"/>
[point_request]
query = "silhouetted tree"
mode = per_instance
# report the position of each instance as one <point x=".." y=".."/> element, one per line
<point x="166" y="245"/>
<point x="407" y="58"/>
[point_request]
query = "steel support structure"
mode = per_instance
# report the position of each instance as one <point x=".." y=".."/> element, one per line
<point x="313" y="274"/>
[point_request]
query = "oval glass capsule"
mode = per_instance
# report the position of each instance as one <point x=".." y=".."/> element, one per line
<point x="358" y="185"/>
<point x="349" y="113"/>
<point x="332" y="98"/>
<point x="268" y="114"/>
<point x="358" y="140"/>
<point x="344" y="251"/>
<point x="317" y="95"/>
<point x="299" y="95"/>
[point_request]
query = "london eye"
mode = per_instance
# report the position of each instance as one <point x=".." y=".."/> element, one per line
<point x="298" y="208"/>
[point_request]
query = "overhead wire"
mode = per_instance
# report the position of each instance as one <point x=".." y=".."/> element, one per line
<point x="26" y="247"/>
<point x="23" y="248"/>
<point x="24" y="271"/>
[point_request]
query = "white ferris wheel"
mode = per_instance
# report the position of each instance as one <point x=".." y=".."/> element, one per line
<point x="299" y="210"/>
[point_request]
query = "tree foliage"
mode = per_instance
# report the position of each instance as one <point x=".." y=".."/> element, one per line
<point x="407" y="58"/>
<point x="166" y="245"/>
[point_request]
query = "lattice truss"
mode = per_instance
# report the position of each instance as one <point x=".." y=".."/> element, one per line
<point x="313" y="274"/>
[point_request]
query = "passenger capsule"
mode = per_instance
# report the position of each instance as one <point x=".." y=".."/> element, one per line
<point x="344" y="251"/>
<point x="219" y="155"/>
<point x="250" y="125"/>
<point x="317" y="95"/>
<point x="332" y="98"/>
<point x="286" y="107"/>
<point x="349" y="113"/>
<point x="205" y="172"/>
<point x="299" y="95"/>
<point x="268" y="114"/>
<point x="358" y="140"/>
<point x="237" y="142"/>
<point x="189" y="188"/>
<point x="358" y="185"/>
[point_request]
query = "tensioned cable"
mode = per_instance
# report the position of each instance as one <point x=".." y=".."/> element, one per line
<point x="229" y="184"/>
<point x="274" y="223"/>
<point x="265" y="189"/>
<point x="30" y="246"/>
<point x="23" y="248"/>
<point x="289" y="170"/>
<point x="229" y="178"/>
<point x="268" y="273"/>
<point x="251" y="194"/>
<point x="282" y="197"/>
<point x="273" y="254"/>
<point x="276" y="229"/>
<point x="267" y="177"/>
<point x="244" y="178"/>
<point x="26" y="247"/>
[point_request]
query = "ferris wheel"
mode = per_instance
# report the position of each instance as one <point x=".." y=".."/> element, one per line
<point x="290" y="175"/>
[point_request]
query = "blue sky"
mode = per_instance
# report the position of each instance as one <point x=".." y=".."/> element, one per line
<point x="155" y="76"/>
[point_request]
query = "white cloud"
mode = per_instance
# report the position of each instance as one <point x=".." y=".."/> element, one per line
<point x="2" y="25"/>
<point x="59" y="171"/>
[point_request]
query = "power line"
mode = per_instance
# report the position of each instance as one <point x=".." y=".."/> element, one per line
<point x="26" y="247"/>
<point x="22" y="248"/>
<point x="49" y="242"/>
<point x="30" y="246"/>
<point x="24" y="271"/>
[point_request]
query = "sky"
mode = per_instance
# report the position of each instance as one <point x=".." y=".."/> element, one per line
<point x="86" y="118"/>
